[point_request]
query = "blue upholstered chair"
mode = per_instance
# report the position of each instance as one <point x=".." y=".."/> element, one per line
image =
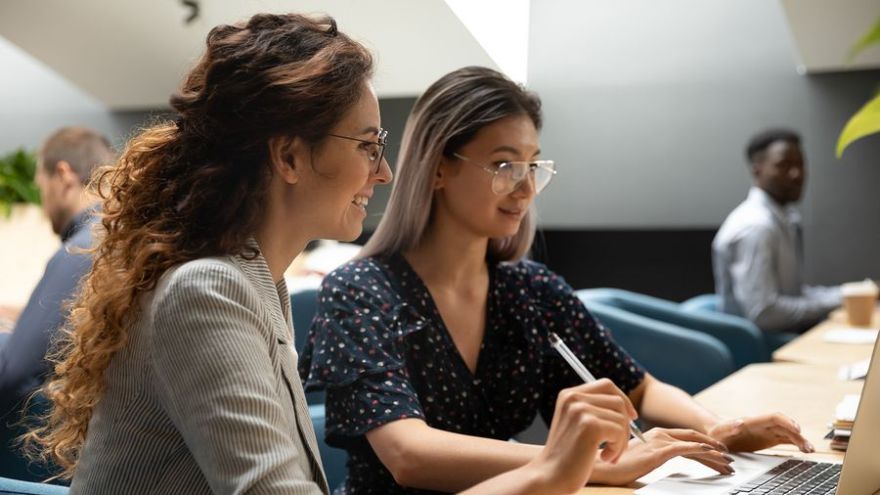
<point x="304" y="305"/>
<point x="17" y="487"/>
<point x="682" y="357"/>
<point x="334" y="459"/>
<point x="710" y="303"/>
<point x="13" y="463"/>
<point x="744" y="340"/>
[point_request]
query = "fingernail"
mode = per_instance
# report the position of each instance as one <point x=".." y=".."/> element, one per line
<point x="722" y="447"/>
<point x="729" y="458"/>
<point x="810" y="447"/>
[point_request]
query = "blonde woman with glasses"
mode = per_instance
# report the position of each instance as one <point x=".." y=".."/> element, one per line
<point x="433" y="345"/>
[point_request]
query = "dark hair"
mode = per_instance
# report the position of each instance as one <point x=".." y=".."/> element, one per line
<point x="759" y="143"/>
<point x="195" y="187"/>
<point x="84" y="149"/>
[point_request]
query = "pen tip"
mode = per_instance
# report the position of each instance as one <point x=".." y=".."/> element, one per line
<point x="554" y="338"/>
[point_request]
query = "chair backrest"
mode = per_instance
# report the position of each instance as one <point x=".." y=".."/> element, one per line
<point x="333" y="459"/>
<point x="687" y="359"/>
<point x="13" y="463"/>
<point x="303" y="306"/>
<point x="17" y="487"/>
<point x="744" y="340"/>
<point x="711" y="303"/>
<point x="703" y="302"/>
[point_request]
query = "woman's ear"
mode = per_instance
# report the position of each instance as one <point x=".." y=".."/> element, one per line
<point x="287" y="157"/>
<point x="440" y="174"/>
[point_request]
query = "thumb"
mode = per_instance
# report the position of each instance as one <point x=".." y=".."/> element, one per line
<point x="727" y="429"/>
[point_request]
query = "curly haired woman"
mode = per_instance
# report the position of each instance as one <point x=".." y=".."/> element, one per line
<point x="177" y="375"/>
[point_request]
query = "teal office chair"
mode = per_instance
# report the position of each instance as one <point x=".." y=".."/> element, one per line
<point x="333" y="459"/>
<point x="710" y="303"/>
<point x="304" y="305"/>
<point x="18" y="487"/>
<point x="744" y="340"/>
<point x="676" y="355"/>
<point x="13" y="463"/>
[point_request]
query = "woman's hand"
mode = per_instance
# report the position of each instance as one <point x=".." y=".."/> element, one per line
<point x="663" y="444"/>
<point x="585" y="417"/>
<point x="760" y="432"/>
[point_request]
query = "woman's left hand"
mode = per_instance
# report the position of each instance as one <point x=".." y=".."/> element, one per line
<point x="760" y="432"/>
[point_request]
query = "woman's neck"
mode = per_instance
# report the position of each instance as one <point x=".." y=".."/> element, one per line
<point x="280" y="241"/>
<point x="449" y="255"/>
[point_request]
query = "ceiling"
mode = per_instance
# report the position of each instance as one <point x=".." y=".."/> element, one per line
<point x="825" y="30"/>
<point x="132" y="54"/>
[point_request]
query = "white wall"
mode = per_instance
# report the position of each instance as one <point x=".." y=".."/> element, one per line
<point x="648" y="106"/>
<point x="34" y="101"/>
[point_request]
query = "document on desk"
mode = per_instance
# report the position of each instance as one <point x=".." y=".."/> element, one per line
<point x="680" y="476"/>
<point x="849" y="335"/>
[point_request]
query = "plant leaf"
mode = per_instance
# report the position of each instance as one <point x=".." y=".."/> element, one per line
<point x="865" y="122"/>
<point x="870" y="38"/>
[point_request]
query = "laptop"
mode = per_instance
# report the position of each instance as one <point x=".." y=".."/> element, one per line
<point x="771" y="475"/>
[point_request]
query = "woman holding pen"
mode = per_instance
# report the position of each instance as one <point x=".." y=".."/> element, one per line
<point x="177" y="374"/>
<point x="433" y="346"/>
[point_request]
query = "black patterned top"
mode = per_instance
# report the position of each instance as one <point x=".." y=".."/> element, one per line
<point x="379" y="346"/>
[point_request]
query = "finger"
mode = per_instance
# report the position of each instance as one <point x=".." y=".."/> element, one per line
<point x="618" y="440"/>
<point x="722" y="465"/>
<point x="700" y="452"/>
<point x="788" y="431"/>
<point x="608" y="387"/>
<point x="696" y="436"/>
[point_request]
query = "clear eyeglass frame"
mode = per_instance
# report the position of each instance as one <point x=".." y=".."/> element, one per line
<point x="507" y="176"/>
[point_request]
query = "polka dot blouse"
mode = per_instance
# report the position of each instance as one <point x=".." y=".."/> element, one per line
<point x="379" y="346"/>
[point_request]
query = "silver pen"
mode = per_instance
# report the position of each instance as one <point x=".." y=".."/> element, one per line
<point x="584" y="373"/>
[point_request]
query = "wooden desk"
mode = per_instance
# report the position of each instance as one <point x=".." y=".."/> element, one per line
<point x="808" y="393"/>
<point x="811" y="348"/>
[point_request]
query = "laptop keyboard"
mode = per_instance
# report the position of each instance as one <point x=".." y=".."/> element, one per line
<point x="794" y="477"/>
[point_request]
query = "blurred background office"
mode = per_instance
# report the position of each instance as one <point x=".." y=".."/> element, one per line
<point x="648" y="106"/>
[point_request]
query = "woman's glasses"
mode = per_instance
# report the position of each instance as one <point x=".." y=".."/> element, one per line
<point x="375" y="149"/>
<point x="507" y="176"/>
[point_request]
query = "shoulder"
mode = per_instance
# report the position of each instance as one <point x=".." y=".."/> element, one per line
<point x="747" y="221"/>
<point x="371" y="275"/>
<point x="532" y="278"/>
<point x="203" y="280"/>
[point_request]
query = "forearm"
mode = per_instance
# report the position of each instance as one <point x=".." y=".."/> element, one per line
<point x="662" y="404"/>
<point x="445" y="461"/>
<point x="785" y="313"/>
<point x="522" y="481"/>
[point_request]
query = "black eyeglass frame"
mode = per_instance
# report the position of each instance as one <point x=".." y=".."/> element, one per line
<point x="381" y="135"/>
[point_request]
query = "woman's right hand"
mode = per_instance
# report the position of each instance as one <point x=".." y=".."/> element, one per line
<point x="585" y="417"/>
<point x="663" y="444"/>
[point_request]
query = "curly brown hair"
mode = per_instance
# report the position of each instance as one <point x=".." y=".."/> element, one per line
<point x="193" y="188"/>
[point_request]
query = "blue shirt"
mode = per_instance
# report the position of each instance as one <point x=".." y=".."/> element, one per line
<point x="379" y="346"/>
<point x="22" y="356"/>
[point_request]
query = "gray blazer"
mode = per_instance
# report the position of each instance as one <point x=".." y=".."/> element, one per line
<point x="205" y="396"/>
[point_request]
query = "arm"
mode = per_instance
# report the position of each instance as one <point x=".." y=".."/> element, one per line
<point x="757" y="290"/>
<point x="22" y="357"/>
<point x="217" y="383"/>
<point x="586" y="416"/>
<point x="663" y="404"/>
<point x="419" y="456"/>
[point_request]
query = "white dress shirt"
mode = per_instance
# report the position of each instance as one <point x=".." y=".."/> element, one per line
<point x="757" y="257"/>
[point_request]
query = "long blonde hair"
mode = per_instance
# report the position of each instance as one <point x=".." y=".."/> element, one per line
<point x="193" y="188"/>
<point x="444" y="119"/>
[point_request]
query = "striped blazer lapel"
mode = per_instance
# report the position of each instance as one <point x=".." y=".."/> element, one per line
<point x="278" y="305"/>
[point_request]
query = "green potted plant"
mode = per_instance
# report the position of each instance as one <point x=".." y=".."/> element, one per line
<point x="867" y="120"/>
<point x="17" y="184"/>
